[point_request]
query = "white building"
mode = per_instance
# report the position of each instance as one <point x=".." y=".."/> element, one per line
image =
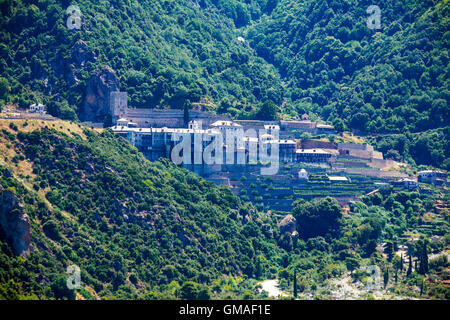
<point x="272" y="128"/>
<point x="39" y="108"/>
<point x="432" y="176"/>
<point x="195" y="125"/>
<point x="338" y="179"/>
<point x="122" y="122"/>
<point x="407" y="183"/>
<point x="303" y="174"/>
<point x="226" y="125"/>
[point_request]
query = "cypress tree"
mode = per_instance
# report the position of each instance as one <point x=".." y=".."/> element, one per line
<point x="386" y="277"/>
<point x="401" y="263"/>
<point x="421" y="287"/>
<point x="423" y="258"/>
<point x="389" y="251"/>
<point x="408" y="272"/>
<point x="420" y="270"/>
<point x="186" y="107"/>
<point x="295" y="284"/>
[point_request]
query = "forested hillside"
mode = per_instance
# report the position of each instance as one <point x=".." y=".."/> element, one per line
<point x="164" y="52"/>
<point x="72" y="195"/>
<point x="167" y="52"/>
<point x="393" y="79"/>
<point x="150" y="230"/>
<point x="133" y="227"/>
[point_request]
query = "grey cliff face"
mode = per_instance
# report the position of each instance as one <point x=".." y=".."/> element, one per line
<point x="14" y="222"/>
<point x="96" y="102"/>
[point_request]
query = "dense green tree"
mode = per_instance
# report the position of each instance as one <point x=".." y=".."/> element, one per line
<point x="189" y="291"/>
<point x="423" y="257"/>
<point x="318" y="217"/>
<point x="60" y="289"/>
<point x="4" y="88"/>
<point x="267" y="111"/>
<point x="352" y="263"/>
<point x="409" y="271"/>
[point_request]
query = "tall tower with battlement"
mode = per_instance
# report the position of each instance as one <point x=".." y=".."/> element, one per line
<point x="118" y="104"/>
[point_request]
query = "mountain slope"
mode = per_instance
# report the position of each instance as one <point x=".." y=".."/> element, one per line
<point x="394" y="79"/>
<point x="150" y="230"/>
<point x="232" y="53"/>
<point x="164" y="52"/>
<point x="132" y="226"/>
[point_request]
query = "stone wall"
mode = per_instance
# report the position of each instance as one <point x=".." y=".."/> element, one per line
<point x="383" y="164"/>
<point x="317" y="144"/>
<point x="157" y="118"/>
<point x="118" y="103"/>
<point x="354" y="146"/>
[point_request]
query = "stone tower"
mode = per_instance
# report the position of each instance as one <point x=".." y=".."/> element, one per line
<point x="118" y="103"/>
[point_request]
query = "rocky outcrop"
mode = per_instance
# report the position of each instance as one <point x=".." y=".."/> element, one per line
<point x="82" y="54"/>
<point x="14" y="222"/>
<point x="69" y="66"/>
<point x="98" y="89"/>
<point x="288" y="224"/>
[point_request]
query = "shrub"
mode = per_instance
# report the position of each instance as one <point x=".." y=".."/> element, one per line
<point x="51" y="229"/>
<point x="13" y="126"/>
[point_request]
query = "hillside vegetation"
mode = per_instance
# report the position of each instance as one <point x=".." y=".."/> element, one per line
<point x="393" y="79"/>
<point x="241" y="58"/>
<point x="150" y="230"/>
<point x="165" y="52"/>
<point x="133" y="227"/>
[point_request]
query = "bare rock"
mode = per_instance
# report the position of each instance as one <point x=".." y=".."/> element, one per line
<point x="14" y="222"/>
<point x="72" y="75"/>
<point x="288" y="224"/>
<point x="81" y="54"/>
<point x="246" y="219"/>
<point x="96" y="101"/>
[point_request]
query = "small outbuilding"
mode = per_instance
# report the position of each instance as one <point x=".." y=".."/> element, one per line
<point x="303" y="174"/>
<point x="37" y="107"/>
<point x="122" y="122"/>
<point x="406" y="183"/>
<point x="338" y="179"/>
<point x="435" y="239"/>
